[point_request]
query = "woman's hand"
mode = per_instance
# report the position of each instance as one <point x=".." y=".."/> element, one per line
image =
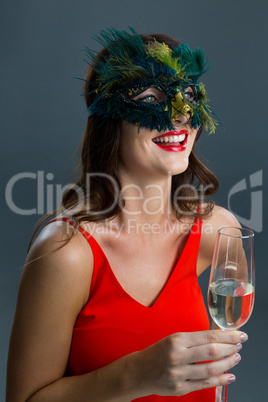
<point x="167" y="367"/>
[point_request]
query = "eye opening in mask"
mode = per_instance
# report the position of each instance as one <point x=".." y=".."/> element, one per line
<point x="152" y="95"/>
<point x="190" y="94"/>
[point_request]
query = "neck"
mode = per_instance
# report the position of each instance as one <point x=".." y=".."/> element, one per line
<point x="147" y="201"/>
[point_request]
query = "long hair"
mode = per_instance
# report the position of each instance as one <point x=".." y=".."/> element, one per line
<point x="99" y="160"/>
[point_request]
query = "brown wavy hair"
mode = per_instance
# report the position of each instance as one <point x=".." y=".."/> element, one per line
<point x="99" y="155"/>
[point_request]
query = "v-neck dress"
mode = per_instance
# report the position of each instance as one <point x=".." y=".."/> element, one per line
<point x="112" y="324"/>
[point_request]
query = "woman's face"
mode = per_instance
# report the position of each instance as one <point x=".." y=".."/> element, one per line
<point x="132" y="68"/>
<point x="150" y="153"/>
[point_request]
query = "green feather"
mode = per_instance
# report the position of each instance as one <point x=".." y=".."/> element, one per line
<point x="131" y="62"/>
<point x="162" y="53"/>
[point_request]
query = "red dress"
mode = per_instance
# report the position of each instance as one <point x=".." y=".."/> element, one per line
<point x="113" y="324"/>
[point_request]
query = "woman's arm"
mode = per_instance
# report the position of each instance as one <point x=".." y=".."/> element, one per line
<point x="52" y="292"/>
<point x="53" y="289"/>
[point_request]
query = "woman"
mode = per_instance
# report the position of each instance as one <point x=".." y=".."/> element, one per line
<point x="113" y="312"/>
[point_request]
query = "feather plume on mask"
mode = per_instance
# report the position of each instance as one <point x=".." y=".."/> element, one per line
<point x="131" y="67"/>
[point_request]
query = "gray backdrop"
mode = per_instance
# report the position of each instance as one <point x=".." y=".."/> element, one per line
<point x="43" y="117"/>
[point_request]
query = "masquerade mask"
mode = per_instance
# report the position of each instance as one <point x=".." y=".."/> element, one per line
<point x="149" y="85"/>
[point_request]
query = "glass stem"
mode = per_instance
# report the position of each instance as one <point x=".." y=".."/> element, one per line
<point x="224" y="391"/>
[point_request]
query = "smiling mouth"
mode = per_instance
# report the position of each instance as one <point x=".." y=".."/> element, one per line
<point x="173" y="140"/>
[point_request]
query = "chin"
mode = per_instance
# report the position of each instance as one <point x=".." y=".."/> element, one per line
<point x="179" y="169"/>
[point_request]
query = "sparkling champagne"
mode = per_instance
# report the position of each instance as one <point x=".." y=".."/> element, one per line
<point x="230" y="302"/>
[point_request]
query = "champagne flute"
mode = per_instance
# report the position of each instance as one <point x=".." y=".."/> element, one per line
<point x="231" y="287"/>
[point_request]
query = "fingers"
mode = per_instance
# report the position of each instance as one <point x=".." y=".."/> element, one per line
<point x="215" y="336"/>
<point x="211" y="369"/>
<point x="213" y="351"/>
<point x="174" y="362"/>
<point x="205" y="345"/>
<point x="194" y="385"/>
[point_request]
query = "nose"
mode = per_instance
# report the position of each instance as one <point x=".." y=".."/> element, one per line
<point x="182" y="111"/>
<point x="180" y="120"/>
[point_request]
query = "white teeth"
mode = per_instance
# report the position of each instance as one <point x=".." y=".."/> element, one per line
<point x="181" y="137"/>
<point x="174" y="138"/>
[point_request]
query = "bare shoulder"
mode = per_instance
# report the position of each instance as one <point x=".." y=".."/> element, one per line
<point x="60" y="253"/>
<point x="56" y="234"/>
<point x="218" y="218"/>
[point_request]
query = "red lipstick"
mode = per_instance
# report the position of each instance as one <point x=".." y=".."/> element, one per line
<point x="172" y="141"/>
